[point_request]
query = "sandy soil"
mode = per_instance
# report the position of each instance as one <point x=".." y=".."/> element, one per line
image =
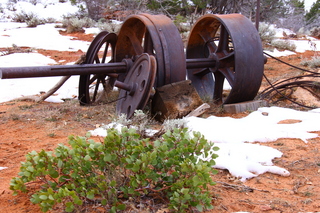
<point x="26" y="126"/>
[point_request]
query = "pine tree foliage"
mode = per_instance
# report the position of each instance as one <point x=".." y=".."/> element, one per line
<point x="290" y="13"/>
<point x="314" y="12"/>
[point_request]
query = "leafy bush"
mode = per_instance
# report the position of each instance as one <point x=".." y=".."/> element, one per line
<point x="283" y="45"/>
<point x="75" y="24"/>
<point x="315" y="32"/>
<point x="314" y="62"/>
<point x="266" y="33"/>
<point x="180" y="22"/>
<point x="23" y="16"/>
<point x="35" y="21"/>
<point x="123" y="166"/>
<point x="110" y="26"/>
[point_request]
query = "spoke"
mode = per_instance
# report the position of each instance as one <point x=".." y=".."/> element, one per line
<point x="96" y="90"/>
<point x="104" y="83"/>
<point x="228" y="74"/>
<point x="228" y="57"/>
<point x="227" y="61"/>
<point x="223" y="45"/>
<point x="97" y="60"/>
<point x="218" y="87"/>
<point x="93" y="79"/>
<point x="136" y="43"/>
<point x="209" y="41"/>
<point x="201" y="72"/>
<point x="148" y="46"/>
<point x="105" y="52"/>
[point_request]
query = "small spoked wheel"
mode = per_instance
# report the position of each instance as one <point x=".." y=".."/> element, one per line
<point x="234" y="43"/>
<point x="101" y="50"/>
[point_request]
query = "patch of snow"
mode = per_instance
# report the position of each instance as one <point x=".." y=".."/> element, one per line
<point x="277" y="53"/>
<point x="41" y="37"/>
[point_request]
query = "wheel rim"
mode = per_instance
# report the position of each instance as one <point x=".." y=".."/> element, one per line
<point x="141" y="78"/>
<point x="233" y="42"/>
<point x="157" y="36"/>
<point x="89" y="85"/>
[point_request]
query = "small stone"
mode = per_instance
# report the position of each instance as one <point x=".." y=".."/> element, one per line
<point x="265" y="208"/>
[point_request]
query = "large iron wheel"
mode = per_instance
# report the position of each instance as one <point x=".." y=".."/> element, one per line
<point x="234" y="43"/>
<point x="157" y="36"/>
<point x="89" y="85"/>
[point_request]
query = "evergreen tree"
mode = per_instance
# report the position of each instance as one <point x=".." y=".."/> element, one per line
<point x="314" y="12"/>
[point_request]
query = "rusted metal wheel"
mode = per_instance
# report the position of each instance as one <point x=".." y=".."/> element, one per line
<point x="136" y="88"/>
<point x="157" y="36"/>
<point x="98" y="50"/>
<point x="234" y="43"/>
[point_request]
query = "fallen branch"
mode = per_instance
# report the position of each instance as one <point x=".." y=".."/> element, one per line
<point x="238" y="187"/>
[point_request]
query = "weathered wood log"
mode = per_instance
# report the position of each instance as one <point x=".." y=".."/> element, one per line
<point x="175" y="100"/>
<point x="244" y="106"/>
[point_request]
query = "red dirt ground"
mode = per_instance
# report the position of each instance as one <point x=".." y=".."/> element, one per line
<point x="26" y="126"/>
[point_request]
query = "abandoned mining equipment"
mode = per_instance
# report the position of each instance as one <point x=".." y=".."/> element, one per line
<point x="148" y="53"/>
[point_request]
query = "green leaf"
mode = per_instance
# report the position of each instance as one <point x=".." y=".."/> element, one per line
<point x="53" y="173"/>
<point x="113" y="209"/>
<point x="43" y="197"/>
<point x="107" y="157"/>
<point x="90" y="195"/>
<point x="121" y="207"/>
<point x="199" y="208"/>
<point x="69" y="207"/>
<point x="60" y="163"/>
<point x="87" y="157"/>
<point x="104" y="202"/>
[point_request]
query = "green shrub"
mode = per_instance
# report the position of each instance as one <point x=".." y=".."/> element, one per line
<point x="35" y="21"/>
<point x="23" y="16"/>
<point x="283" y="45"/>
<point x="31" y="19"/>
<point x="266" y="33"/>
<point x="111" y="27"/>
<point x="314" y="62"/>
<point x="75" y="24"/>
<point x="315" y="32"/>
<point x="180" y="22"/>
<point x="123" y="166"/>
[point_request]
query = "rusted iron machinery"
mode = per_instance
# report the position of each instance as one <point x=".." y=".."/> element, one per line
<point x="148" y="53"/>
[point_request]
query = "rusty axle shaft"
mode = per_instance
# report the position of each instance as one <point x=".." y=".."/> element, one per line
<point x="63" y="70"/>
<point x="85" y="69"/>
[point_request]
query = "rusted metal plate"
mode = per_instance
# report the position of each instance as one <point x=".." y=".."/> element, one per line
<point x="234" y="44"/>
<point x="136" y="88"/>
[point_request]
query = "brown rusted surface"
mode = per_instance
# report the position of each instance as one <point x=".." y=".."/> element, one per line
<point x="157" y="36"/>
<point x="136" y="88"/>
<point x="63" y="70"/>
<point x="234" y="44"/>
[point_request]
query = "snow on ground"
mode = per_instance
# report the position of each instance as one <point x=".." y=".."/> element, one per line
<point x="43" y="9"/>
<point x="233" y="136"/>
<point x="41" y="37"/>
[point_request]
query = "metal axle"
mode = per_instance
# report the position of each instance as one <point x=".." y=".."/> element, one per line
<point x="63" y="70"/>
<point x="86" y="69"/>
